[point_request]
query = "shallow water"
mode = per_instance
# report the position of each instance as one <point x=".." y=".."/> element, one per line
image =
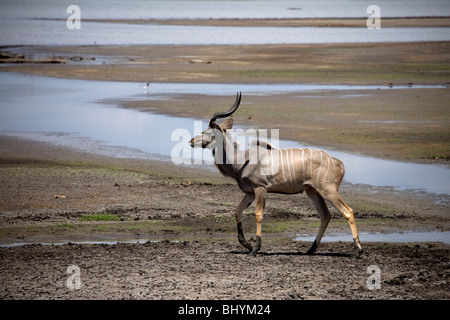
<point x="163" y="9"/>
<point x="74" y="114"/>
<point x="55" y="33"/>
<point x="407" y="236"/>
<point x="401" y="237"/>
<point x="27" y="22"/>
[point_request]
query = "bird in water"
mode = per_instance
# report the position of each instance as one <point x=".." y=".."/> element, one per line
<point x="147" y="87"/>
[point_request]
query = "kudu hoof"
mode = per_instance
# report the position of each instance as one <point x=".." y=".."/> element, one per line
<point x="358" y="253"/>
<point x="245" y="244"/>
<point x="248" y="246"/>
<point x="358" y="249"/>
<point x="257" y="246"/>
<point x="313" y="248"/>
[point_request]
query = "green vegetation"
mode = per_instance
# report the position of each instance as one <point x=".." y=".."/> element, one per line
<point x="99" y="217"/>
<point x="349" y="72"/>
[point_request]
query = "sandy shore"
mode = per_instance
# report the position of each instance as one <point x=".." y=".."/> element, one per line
<point x="348" y="63"/>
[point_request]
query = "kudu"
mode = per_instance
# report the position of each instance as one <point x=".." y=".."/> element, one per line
<point x="263" y="168"/>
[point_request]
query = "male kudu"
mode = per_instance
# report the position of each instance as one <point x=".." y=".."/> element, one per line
<point x="263" y="168"/>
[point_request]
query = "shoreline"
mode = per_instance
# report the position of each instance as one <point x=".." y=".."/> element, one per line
<point x="341" y="63"/>
<point x="32" y="156"/>
<point x="391" y="22"/>
<point x="406" y="125"/>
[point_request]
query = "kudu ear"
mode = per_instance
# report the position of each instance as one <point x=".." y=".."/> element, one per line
<point x="227" y="124"/>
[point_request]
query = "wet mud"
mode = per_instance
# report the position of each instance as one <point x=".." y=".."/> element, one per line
<point x="223" y="270"/>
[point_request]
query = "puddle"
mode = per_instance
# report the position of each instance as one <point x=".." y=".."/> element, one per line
<point x="73" y="113"/>
<point x="407" y="236"/>
<point x="33" y="54"/>
<point x="401" y="237"/>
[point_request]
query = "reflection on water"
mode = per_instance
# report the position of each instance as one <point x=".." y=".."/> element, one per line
<point x="402" y="237"/>
<point x="70" y="113"/>
<point x="407" y="236"/>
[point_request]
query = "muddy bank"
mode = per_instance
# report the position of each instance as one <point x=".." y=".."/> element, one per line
<point x="402" y="124"/>
<point x="410" y="124"/>
<point x="222" y="270"/>
<point x="51" y="193"/>
<point x="348" y="63"/>
<point x="100" y="197"/>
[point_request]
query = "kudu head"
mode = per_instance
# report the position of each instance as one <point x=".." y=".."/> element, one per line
<point x="208" y="138"/>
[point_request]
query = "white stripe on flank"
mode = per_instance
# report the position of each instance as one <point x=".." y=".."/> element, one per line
<point x="272" y="166"/>
<point x="328" y="167"/>
<point x="293" y="166"/>
<point x="282" y="164"/>
<point x="288" y="166"/>
<point x="310" y="164"/>
<point x="334" y="165"/>
<point x="303" y="167"/>
<point x="320" y="166"/>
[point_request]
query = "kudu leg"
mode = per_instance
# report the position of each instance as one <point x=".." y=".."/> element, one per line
<point x="347" y="212"/>
<point x="260" y="196"/>
<point x="324" y="213"/>
<point x="246" y="201"/>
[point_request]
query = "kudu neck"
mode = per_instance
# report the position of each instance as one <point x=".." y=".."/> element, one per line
<point x="227" y="157"/>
